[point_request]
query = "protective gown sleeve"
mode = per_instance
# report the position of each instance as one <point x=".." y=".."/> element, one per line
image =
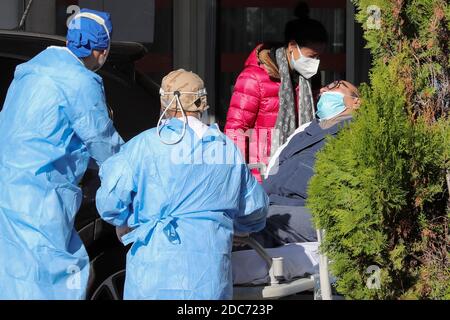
<point x="254" y="206"/>
<point x="115" y="196"/>
<point x="89" y="118"/>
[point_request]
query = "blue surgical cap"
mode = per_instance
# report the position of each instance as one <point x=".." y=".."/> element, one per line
<point x="85" y="34"/>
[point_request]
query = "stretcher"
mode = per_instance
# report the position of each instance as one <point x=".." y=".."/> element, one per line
<point x="280" y="272"/>
<point x="282" y="281"/>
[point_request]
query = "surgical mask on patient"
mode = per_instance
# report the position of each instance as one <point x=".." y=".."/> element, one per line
<point x="331" y="103"/>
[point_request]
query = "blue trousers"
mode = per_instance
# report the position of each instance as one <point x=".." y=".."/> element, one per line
<point x="286" y="224"/>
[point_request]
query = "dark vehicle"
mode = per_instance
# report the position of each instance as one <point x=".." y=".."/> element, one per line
<point x="134" y="101"/>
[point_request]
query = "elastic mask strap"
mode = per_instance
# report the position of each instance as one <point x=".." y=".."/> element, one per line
<point x="200" y="94"/>
<point x="299" y="51"/>
<point x="96" y="18"/>
<point x="159" y="128"/>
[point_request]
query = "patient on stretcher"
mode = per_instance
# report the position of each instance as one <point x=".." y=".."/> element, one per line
<point x="292" y="166"/>
<point x="289" y="231"/>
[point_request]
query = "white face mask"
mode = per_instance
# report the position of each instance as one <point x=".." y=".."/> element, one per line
<point x="101" y="22"/>
<point x="306" y="66"/>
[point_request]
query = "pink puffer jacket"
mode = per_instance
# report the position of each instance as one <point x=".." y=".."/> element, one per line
<point x="254" y="108"/>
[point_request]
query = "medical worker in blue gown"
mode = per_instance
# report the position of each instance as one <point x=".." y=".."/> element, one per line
<point x="183" y="189"/>
<point x="53" y="121"/>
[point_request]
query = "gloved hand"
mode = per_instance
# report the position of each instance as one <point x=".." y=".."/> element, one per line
<point x="121" y="231"/>
<point x="238" y="237"/>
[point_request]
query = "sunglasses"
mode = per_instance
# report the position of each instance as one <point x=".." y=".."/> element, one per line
<point x="336" y="84"/>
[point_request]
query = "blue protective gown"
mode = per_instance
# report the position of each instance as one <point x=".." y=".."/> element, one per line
<point x="53" y="120"/>
<point x="184" y="202"/>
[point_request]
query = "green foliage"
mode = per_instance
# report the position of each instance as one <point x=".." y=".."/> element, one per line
<point x="380" y="190"/>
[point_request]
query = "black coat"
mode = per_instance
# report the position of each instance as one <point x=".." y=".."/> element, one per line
<point x="288" y="186"/>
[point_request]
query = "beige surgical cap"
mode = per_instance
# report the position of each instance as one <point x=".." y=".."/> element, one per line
<point x="191" y="88"/>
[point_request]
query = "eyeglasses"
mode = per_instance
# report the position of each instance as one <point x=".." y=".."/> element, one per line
<point x="336" y="84"/>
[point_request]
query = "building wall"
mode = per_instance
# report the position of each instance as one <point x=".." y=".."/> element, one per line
<point x="210" y="37"/>
<point x="133" y="19"/>
<point x="10" y="12"/>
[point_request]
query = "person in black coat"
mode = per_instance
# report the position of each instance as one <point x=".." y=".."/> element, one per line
<point x="292" y="167"/>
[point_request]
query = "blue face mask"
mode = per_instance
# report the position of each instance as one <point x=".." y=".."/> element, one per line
<point x="330" y="105"/>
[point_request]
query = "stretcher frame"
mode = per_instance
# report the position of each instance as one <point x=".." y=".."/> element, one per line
<point x="279" y="288"/>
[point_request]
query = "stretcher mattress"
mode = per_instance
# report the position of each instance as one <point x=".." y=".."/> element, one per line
<point x="299" y="259"/>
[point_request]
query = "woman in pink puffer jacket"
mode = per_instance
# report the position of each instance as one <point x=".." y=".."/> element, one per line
<point x="268" y="74"/>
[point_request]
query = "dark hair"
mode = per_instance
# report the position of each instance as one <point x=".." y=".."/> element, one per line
<point x="304" y="30"/>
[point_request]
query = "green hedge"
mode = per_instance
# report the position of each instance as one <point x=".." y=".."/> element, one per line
<point x="380" y="190"/>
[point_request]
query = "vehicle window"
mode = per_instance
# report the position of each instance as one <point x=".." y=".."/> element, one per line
<point x="8" y="66"/>
<point x="135" y="108"/>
